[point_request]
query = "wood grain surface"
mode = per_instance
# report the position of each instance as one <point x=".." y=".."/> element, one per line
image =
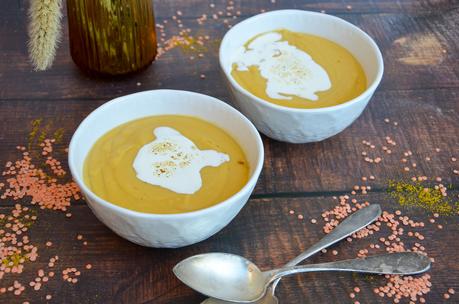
<point x="419" y="91"/>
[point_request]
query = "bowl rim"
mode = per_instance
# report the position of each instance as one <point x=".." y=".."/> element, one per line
<point x="251" y="182"/>
<point x="365" y="94"/>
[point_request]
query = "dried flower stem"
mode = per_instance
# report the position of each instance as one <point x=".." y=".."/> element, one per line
<point x="44" y="31"/>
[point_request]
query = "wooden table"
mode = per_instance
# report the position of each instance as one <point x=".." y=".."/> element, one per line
<point x="419" y="42"/>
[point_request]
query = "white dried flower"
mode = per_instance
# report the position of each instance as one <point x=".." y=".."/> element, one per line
<point x="44" y="32"/>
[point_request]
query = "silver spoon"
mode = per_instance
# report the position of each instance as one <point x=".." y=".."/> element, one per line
<point x="233" y="278"/>
<point x="353" y="223"/>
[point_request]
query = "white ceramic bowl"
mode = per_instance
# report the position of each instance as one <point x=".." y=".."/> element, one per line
<point x="166" y="230"/>
<point x="302" y="125"/>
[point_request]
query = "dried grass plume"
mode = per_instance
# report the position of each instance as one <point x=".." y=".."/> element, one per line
<point x="44" y="32"/>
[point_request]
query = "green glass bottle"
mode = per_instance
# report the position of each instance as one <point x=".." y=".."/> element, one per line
<point x="111" y="37"/>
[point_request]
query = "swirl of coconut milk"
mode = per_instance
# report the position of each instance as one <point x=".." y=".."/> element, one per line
<point x="172" y="161"/>
<point x="287" y="69"/>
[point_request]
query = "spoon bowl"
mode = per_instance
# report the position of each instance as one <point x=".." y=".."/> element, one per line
<point x="223" y="276"/>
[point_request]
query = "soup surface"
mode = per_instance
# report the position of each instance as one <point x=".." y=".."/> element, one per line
<point x="166" y="164"/>
<point x="298" y="70"/>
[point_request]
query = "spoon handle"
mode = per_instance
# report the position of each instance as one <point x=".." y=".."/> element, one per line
<point x="350" y="225"/>
<point x="401" y="263"/>
<point x="354" y="222"/>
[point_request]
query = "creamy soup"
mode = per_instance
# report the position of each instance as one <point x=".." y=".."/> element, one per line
<point x="298" y="70"/>
<point x="166" y="164"/>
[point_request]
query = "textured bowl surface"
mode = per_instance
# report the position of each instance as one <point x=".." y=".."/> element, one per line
<point x="302" y="125"/>
<point x="166" y="230"/>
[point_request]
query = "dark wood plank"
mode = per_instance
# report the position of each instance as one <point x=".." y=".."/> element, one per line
<point x="427" y="120"/>
<point x="264" y="232"/>
<point x="412" y="45"/>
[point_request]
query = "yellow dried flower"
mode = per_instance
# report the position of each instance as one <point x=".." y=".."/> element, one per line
<point x="44" y="31"/>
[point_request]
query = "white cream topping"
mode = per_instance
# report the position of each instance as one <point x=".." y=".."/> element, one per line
<point x="287" y="69"/>
<point x="172" y="161"/>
